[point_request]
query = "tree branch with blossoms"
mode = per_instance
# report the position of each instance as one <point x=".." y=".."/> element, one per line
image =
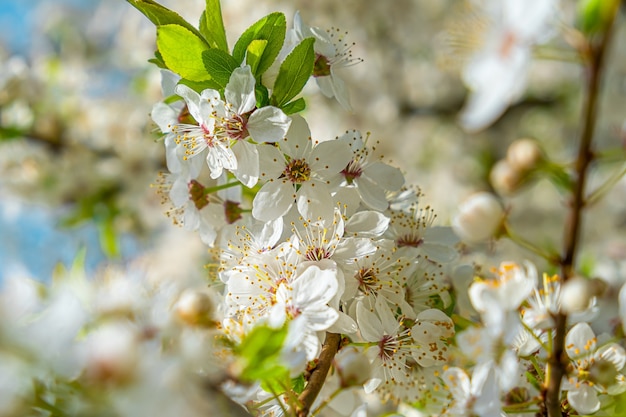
<point x="332" y="288"/>
<point x="594" y="57"/>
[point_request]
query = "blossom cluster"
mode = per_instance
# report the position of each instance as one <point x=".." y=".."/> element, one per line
<point x="331" y="285"/>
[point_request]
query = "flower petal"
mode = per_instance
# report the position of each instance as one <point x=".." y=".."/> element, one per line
<point x="272" y="201"/>
<point x="268" y="124"/>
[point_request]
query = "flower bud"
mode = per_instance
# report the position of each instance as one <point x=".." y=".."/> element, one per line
<point x="112" y="354"/>
<point x="353" y="367"/>
<point x="505" y="178"/>
<point x="479" y="218"/>
<point x="576" y="295"/>
<point x="524" y="154"/>
<point x="194" y="307"/>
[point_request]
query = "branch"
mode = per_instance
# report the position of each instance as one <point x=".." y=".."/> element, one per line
<point x="557" y="362"/>
<point x="318" y="376"/>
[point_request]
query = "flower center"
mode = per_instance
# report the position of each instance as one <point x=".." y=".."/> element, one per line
<point x="235" y="127"/>
<point x="298" y="171"/>
<point x="410" y="240"/>
<point x="321" y="67"/>
<point x="352" y="171"/>
<point x="316" y="254"/>
<point x="232" y="211"/>
<point x="197" y="195"/>
<point x="368" y="282"/>
<point x="387" y="346"/>
<point x="208" y="136"/>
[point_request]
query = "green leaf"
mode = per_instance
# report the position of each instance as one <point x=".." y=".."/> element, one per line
<point x="158" y="60"/>
<point x="182" y="52"/>
<point x="200" y="86"/>
<point x="272" y="29"/>
<point x="262" y="96"/>
<point x="212" y="25"/>
<point x="259" y="354"/>
<point x="160" y="15"/>
<point x="220" y="65"/>
<point x="108" y="238"/>
<point x="294" y="72"/>
<point x="255" y="53"/>
<point x="298" y="384"/>
<point x="295" y="106"/>
<point x="594" y="15"/>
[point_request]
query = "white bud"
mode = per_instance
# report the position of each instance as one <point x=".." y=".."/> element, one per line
<point x="479" y="218"/>
<point x="194" y="307"/>
<point x="576" y="295"/>
<point x="524" y="154"/>
<point x="504" y="178"/>
<point x="352" y="366"/>
<point x="112" y="353"/>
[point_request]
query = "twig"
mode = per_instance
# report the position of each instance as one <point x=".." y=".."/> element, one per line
<point x="318" y="376"/>
<point x="557" y="361"/>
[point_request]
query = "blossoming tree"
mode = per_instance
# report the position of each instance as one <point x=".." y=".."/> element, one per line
<point x="332" y="287"/>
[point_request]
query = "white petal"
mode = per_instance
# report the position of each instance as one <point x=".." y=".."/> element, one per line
<point x="168" y="82"/>
<point x="388" y="177"/>
<point x="369" y="324"/>
<point x="297" y="142"/>
<point x="371" y="194"/>
<point x="271" y="162"/>
<point x="321" y="318"/>
<point x="458" y="383"/>
<point x="584" y="399"/>
<point x="314" y="201"/>
<point x="268" y="124"/>
<point x="247" y="163"/>
<point x="199" y="109"/>
<point x="239" y="91"/>
<point x="164" y="116"/>
<point x="272" y="201"/>
<point x="367" y="224"/>
<point x="580" y="341"/>
<point x="344" y="325"/>
<point x="220" y="157"/>
<point x="179" y="193"/>
<point x="314" y="286"/>
<point x="330" y="157"/>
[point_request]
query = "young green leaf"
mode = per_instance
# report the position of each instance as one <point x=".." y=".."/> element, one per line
<point x="158" y="60"/>
<point x="262" y="95"/>
<point x="200" y="86"/>
<point x="272" y="29"/>
<point x="160" y="15"/>
<point x="259" y="353"/>
<point x="255" y="53"/>
<point x="182" y="52"/>
<point x="295" y="106"/>
<point x="212" y="25"/>
<point x="220" y="65"/>
<point x="294" y="72"/>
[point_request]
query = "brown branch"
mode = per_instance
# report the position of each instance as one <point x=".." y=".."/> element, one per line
<point x="318" y="376"/>
<point x="557" y="362"/>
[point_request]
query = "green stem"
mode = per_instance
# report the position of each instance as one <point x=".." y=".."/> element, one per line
<point x="211" y="190"/>
<point x="326" y="401"/>
<point x="514" y="237"/>
<point x="601" y="191"/>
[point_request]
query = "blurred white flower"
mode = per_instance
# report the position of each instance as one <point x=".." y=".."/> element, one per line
<point x="496" y="74"/>
<point x="584" y="382"/>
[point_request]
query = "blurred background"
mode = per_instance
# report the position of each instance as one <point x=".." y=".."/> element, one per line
<point x="78" y="151"/>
